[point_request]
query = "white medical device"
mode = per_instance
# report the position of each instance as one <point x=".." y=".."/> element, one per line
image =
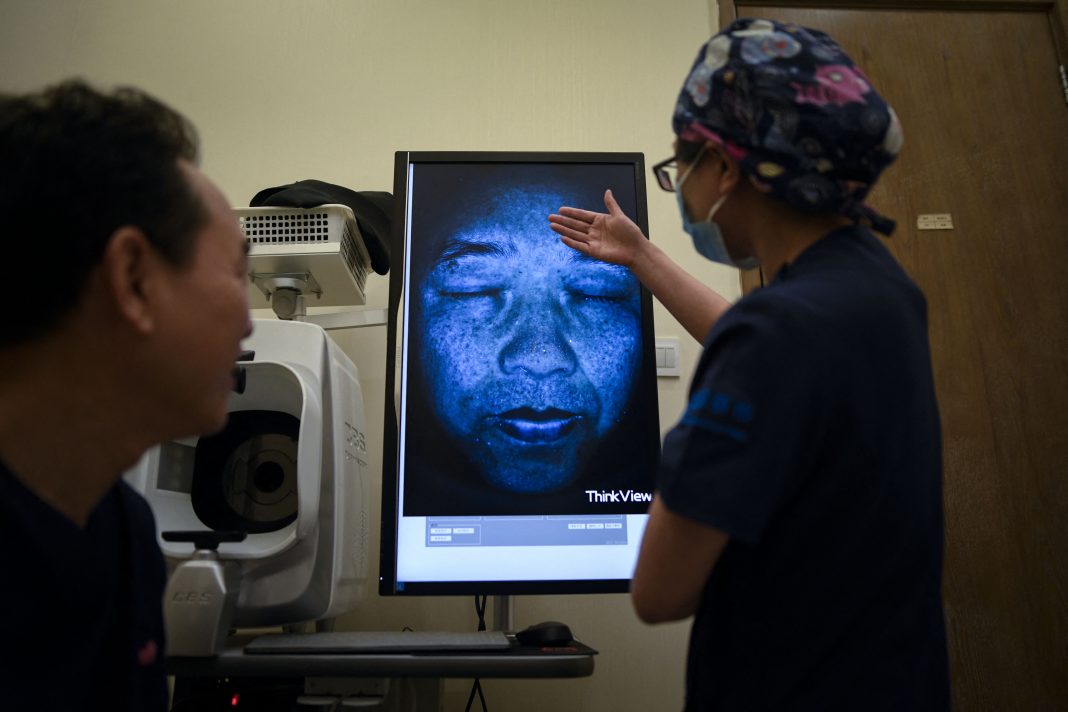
<point x="289" y="471"/>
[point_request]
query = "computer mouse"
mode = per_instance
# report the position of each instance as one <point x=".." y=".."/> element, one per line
<point x="546" y="634"/>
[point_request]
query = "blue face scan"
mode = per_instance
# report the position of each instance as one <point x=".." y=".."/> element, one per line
<point x="530" y="349"/>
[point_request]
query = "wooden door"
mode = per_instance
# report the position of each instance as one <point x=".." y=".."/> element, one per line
<point x="986" y="141"/>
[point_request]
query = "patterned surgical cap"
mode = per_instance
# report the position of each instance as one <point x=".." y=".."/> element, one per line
<point x="801" y="118"/>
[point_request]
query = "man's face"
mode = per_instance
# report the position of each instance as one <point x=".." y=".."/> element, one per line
<point x="531" y="349"/>
<point x="206" y="316"/>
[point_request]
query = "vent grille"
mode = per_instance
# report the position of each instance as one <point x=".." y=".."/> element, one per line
<point x="357" y="264"/>
<point x="323" y="241"/>
<point x="286" y="228"/>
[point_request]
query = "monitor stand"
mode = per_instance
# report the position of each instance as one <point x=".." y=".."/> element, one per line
<point x="503" y="613"/>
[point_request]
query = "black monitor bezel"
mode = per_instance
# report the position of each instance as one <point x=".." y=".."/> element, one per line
<point x="387" y="580"/>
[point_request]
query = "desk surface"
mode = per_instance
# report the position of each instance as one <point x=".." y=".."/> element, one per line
<point x="575" y="660"/>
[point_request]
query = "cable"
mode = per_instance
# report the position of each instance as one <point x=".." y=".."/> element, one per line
<point x="476" y="687"/>
<point x="480" y="610"/>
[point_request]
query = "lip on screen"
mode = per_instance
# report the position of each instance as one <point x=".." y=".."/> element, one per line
<point x="537" y="427"/>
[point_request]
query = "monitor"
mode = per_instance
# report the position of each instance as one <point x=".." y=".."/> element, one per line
<point x="522" y="430"/>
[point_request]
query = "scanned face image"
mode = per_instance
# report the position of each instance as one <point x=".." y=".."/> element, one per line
<point x="524" y="356"/>
<point x="531" y="348"/>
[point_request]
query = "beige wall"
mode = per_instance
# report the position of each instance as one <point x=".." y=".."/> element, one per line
<point x="328" y="89"/>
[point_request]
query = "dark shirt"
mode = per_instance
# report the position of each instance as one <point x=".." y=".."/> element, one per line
<point x="812" y="440"/>
<point x="82" y="624"/>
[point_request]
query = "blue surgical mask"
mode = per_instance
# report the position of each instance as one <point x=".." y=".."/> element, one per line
<point x="706" y="235"/>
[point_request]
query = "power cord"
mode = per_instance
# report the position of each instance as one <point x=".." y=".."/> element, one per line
<point x="480" y="610"/>
<point x="476" y="687"/>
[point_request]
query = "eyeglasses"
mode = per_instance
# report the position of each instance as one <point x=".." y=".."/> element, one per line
<point x="667" y="171"/>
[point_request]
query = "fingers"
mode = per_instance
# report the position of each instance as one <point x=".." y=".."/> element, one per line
<point x="570" y="223"/>
<point x="611" y="204"/>
<point x="587" y="216"/>
<point x="572" y="232"/>
<point x="575" y="244"/>
<point x="567" y="232"/>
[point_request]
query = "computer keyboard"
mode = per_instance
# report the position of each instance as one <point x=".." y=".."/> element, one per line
<point x="358" y="642"/>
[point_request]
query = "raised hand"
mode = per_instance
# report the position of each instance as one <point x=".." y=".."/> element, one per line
<point x="610" y="237"/>
<point x="613" y="237"/>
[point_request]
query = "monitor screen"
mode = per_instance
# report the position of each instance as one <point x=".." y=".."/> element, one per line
<point x="521" y="454"/>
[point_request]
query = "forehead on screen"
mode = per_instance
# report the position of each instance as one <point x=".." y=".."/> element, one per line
<point x="450" y="199"/>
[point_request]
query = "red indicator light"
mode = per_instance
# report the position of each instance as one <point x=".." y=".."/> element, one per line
<point x="235" y="700"/>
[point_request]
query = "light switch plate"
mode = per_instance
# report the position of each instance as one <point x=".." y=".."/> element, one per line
<point x="667" y="357"/>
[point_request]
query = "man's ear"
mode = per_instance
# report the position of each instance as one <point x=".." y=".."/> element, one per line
<point x="129" y="267"/>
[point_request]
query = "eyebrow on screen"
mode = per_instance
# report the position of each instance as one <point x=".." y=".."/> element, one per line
<point x="464" y="247"/>
<point x="460" y="247"/>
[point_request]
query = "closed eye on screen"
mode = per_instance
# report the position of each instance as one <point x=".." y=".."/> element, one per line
<point x="613" y="298"/>
<point x="472" y="292"/>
